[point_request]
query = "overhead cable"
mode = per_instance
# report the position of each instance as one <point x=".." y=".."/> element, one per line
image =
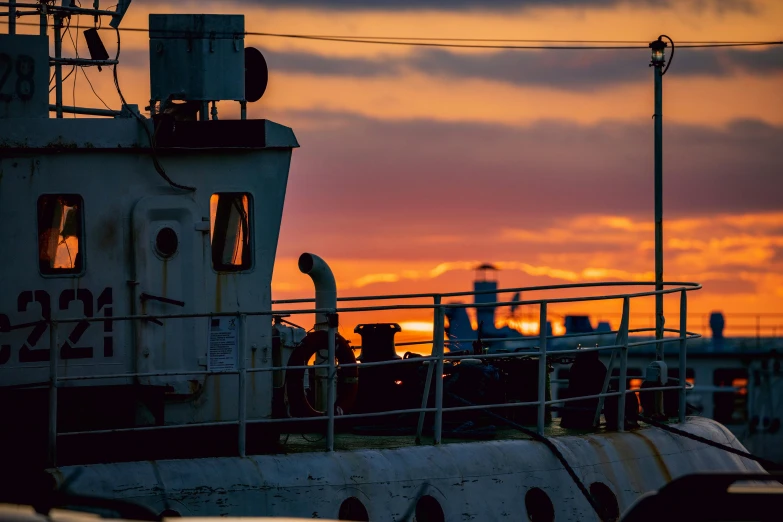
<point x="521" y="44"/>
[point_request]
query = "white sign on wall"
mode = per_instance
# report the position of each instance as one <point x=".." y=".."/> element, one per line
<point x="222" y="356"/>
<point x="24" y="76"/>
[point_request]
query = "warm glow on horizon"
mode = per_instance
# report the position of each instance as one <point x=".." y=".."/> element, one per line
<point x="416" y="326"/>
<point x="520" y="325"/>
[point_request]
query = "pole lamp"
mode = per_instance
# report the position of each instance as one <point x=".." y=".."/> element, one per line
<point x="658" y="61"/>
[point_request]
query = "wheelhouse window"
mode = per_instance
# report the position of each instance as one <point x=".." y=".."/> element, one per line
<point x="60" y="235"/>
<point x="229" y="231"/>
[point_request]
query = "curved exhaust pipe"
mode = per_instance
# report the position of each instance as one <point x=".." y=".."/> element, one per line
<point x="325" y="286"/>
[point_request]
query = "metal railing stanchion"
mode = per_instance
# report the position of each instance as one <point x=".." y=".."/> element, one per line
<point x="683" y="341"/>
<point x="430" y="371"/>
<point x="604" y="388"/>
<point x="242" y="402"/>
<point x="42" y="21"/>
<point x="331" y="390"/>
<point x="440" y="331"/>
<point x="542" y="369"/>
<point x="12" y="17"/>
<point x="53" y="359"/>
<point x="623" y="379"/>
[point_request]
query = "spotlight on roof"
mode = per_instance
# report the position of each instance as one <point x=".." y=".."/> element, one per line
<point x="256" y="74"/>
<point x="122" y="6"/>
<point x="95" y="45"/>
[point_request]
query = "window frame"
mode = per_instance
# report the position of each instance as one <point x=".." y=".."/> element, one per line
<point x="251" y="261"/>
<point x="81" y="267"/>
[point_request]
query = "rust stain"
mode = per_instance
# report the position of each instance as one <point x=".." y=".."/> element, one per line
<point x="602" y="455"/>
<point x="628" y="455"/>
<point x="253" y="375"/>
<point x="218" y="292"/>
<point x="657" y="456"/>
<point x="164" y="285"/>
<point x="606" y="460"/>
<point x="217" y="396"/>
<point x="107" y="235"/>
<point x="164" y="282"/>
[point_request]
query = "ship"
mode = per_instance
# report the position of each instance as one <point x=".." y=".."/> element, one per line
<point x="144" y="360"/>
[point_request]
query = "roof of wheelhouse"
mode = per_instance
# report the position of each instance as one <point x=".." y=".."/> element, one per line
<point x="59" y="135"/>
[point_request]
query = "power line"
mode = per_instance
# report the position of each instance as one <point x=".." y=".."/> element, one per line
<point x="477" y="46"/>
<point x="84" y="71"/>
<point x="530" y="44"/>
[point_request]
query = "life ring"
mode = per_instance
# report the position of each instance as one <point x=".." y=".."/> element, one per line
<point x="347" y="378"/>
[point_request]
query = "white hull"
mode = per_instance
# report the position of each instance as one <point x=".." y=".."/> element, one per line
<point x="471" y="481"/>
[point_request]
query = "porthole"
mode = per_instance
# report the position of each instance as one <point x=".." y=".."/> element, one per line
<point x="353" y="509"/>
<point x="428" y="510"/>
<point x="538" y="505"/>
<point x="606" y="500"/>
<point x="166" y="242"/>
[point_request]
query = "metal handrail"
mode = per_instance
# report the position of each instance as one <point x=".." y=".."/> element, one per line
<point x="621" y="345"/>
<point x="687" y="287"/>
<point x="566" y="286"/>
<point x="446" y="357"/>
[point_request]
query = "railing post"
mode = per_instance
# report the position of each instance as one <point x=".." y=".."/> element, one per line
<point x="331" y="390"/>
<point x="683" y="342"/>
<point x="53" y="360"/>
<point x="758" y="332"/>
<point x="12" y="17"/>
<point x="430" y="370"/>
<point x="604" y="389"/>
<point x="542" y="333"/>
<point x="58" y="67"/>
<point x="623" y="377"/>
<point x="440" y="331"/>
<point x="42" y="21"/>
<point x="242" y="402"/>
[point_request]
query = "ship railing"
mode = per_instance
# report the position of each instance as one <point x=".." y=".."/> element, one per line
<point x="435" y="361"/>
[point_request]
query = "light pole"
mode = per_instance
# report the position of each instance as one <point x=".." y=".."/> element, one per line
<point x="658" y="61"/>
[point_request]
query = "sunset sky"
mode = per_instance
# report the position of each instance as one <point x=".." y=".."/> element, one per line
<point x="418" y="163"/>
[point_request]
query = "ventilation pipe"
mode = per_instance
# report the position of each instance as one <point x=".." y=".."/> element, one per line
<point x="325" y="297"/>
<point x="325" y="287"/>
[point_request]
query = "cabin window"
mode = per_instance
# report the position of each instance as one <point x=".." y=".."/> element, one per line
<point x="229" y="231"/>
<point x="730" y="405"/>
<point x="60" y="234"/>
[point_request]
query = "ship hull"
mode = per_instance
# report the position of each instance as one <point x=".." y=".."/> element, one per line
<point x="474" y="480"/>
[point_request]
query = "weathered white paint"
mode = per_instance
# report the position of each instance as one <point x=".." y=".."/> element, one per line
<point x="126" y="202"/>
<point x="471" y="481"/>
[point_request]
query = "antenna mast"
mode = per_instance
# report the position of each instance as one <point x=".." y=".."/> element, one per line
<point x="45" y="8"/>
